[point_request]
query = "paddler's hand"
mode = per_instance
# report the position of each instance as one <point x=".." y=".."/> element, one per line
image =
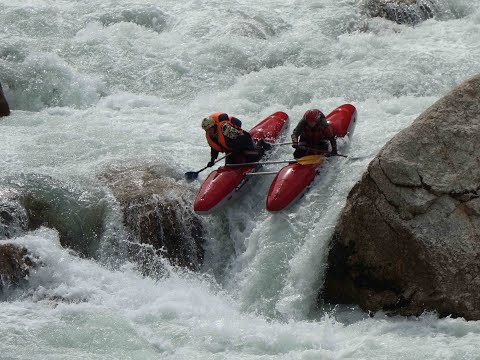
<point x="295" y="143"/>
<point x="334" y="151"/>
<point x="211" y="163"/>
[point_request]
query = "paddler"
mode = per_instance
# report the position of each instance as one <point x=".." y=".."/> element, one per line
<point x="314" y="133"/>
<point x="225" y="134"/>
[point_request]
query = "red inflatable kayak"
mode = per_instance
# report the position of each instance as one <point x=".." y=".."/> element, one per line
<point x="224" y="184"/>
<point x="293" y="180"/>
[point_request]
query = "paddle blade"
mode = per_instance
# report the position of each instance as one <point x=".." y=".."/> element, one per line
<point x="191" y="175"/>
<point x="311" y="159"/>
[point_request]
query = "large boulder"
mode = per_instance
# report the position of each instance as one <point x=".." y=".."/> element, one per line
<point x="14" y="266"/>
<point x="408" y="239"/>
<point x="158" y="215"/>
<point x="4" y="108"/>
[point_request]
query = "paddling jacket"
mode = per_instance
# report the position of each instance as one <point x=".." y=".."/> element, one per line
<point x="315" y="137"/>
<point x="229" y="136"/>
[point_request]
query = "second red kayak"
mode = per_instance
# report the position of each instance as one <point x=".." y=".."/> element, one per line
<point x="293" y="180"/>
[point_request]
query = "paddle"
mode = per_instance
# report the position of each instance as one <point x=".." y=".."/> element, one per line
<point x="305" y="160"/>
<point x="192" y="175"/>
<point x="284" y="143"/>
<point x="262" y="173"/>
<point x="301" y="145"/>
<point x="310" y="159"/>
<point x="261" y="163"/>
<point x="328" y="153"/>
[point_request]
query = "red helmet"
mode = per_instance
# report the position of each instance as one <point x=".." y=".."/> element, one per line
<point x="311" y="116"/>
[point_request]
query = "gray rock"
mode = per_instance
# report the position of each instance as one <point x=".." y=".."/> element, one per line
<point x="14" y="267"/>
<point x="76" y="214"/>
<point x="408" y="239"/>
<point x="13" y="215"/>
<point x="4" y="108"/>
<point x="159" y="218"/>
<point x="150" y="17"/>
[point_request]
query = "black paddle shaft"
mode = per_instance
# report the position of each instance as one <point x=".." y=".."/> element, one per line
<point x="328" y="153"/>
<point x="192" y="175"/>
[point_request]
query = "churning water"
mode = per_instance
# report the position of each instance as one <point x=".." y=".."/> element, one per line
<point x="95" y="83"/>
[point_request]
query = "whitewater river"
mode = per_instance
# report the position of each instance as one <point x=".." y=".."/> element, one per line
<point x="96" y="83"/>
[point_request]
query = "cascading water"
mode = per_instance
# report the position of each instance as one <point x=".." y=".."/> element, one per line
<point x="95" y="84"/>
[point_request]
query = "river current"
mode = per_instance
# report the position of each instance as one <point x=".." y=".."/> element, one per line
<point x="95" y="83"/>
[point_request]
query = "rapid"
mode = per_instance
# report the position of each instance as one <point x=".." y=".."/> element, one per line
<point x="96" y="83"/>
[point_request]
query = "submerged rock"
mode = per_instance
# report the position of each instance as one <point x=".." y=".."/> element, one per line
<point x="148" y="16"/>
<point x="14" y="266"/>
<point x="13" y="215"/>
<point x="159" y="218"/>
<point x="408" y="239"/>
<point x="402" y="11"/>
<point x="4" y="108"/>
<point x="40" y="200"/>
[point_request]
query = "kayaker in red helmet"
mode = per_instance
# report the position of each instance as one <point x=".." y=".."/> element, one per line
<point x="224" y="134"/>
<point x="313" y="132"/>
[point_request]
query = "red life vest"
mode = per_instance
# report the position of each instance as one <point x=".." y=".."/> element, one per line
<point x="219" y="143"/>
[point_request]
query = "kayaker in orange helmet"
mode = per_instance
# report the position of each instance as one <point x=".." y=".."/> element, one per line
<point x="224" y="134"/>
<point x="313" y="132"/>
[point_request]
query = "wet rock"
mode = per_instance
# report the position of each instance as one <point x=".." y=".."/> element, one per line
<point x="150" y="17"/>
<point x="77" y="215"/>
<point x="402" y="11"/>
<point x="4" y="108"/>
<point x="159" y="217"/>
<point x="14" y="267"/>
<point x="13" y="215"/>
<point x="247" y="29"/>
<point x="408" y="239"/>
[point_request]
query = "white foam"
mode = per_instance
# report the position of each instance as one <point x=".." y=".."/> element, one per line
<point x="97" y="83"/>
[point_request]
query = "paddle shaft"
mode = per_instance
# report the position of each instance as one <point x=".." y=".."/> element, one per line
<point x="219" y="159"/>
<point x="194" y="174"/>
<point x="262" y="163"/>
<point x="304" y="160"/>
<point x="321" y="151"/>
<point x="301" y="145"/>
<point x="262" y="173"/>
<point x="284" y="143"/>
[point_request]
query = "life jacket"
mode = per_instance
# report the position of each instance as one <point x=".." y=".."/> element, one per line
<point x="220" y="143"/>
<point x="316" y="135"/>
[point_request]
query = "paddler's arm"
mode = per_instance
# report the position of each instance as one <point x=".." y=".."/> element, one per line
<point x="332" y="138"/>
<point x="213" y="157"/>
<point x="298" y="130"/>
<point x="333" y="142"/>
